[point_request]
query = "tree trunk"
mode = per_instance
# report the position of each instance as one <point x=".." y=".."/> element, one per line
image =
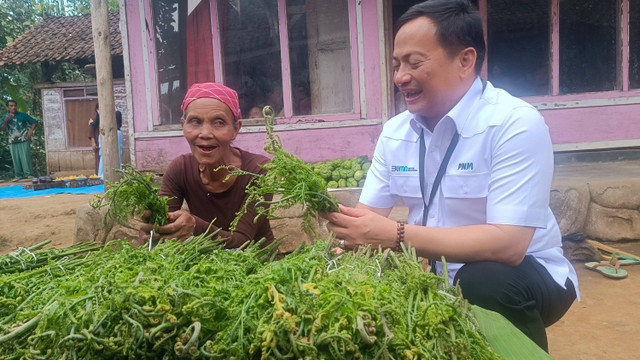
<point x="104" y="79"/>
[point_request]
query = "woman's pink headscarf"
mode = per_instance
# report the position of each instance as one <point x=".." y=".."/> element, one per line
<point x="214" y="91"/>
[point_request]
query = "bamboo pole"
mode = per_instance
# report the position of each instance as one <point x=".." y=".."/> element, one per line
<point x="104" y="79"/>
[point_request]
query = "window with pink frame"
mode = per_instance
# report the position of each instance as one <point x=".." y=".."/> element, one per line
<point x="317" y="69"/>
<point x="557" y="47"/>
<point x="294" y="55"/>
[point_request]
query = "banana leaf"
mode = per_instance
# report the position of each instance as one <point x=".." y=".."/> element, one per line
<point x="507" y="340"/>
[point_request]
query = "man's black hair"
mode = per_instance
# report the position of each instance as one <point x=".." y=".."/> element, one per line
<point x="11" y="101"/>
<point x="458" y="23"/>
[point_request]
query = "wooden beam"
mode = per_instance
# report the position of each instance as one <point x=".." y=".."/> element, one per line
<point x="104" y="79"/>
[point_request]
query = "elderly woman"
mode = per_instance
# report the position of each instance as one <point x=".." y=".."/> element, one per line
<point x="210" y="122"/>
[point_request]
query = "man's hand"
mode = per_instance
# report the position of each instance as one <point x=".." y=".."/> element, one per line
<point x="6" y="121"/>
<point x="90" y="121"/>
<point x="181" y="226"/>
<point x="30" y="133"/>
<point x="94" y="146"/>
<point x="356" y="227"/>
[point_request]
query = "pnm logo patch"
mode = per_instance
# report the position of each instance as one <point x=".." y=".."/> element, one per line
<point x="465" y="166"/>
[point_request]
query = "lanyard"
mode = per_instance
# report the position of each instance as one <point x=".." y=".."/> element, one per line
<point x="439" y="175"/>
<point x="441" y="170"/>
<point x="443" y="167"/>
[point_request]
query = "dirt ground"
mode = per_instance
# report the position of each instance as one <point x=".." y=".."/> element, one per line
<point x="605" y="323"/>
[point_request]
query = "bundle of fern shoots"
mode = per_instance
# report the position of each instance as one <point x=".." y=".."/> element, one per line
<point x="289" y="179"/>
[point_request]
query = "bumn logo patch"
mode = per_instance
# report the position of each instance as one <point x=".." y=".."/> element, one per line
<point x="402" y="168"/>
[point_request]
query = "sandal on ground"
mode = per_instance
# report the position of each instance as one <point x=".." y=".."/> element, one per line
<point x="608" y="269"/>
<point x="625" y="260"/>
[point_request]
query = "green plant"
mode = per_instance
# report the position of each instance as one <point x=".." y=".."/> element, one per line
<point x="196" y="300"/>
<point x="287" y="176"/>
<point x="134" y="193"/>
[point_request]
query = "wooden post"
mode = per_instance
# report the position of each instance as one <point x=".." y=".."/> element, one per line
<point x="104" y="78"/>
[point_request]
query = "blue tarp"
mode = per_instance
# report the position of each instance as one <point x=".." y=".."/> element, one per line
<point x="11" y="192"/>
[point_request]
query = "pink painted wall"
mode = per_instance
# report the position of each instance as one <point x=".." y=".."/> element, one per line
<point x="593" y="124"/>
<point x="310" y="145"/>
<point x="372" y="78"/>
<point x="590" y="124"/>
<point x="136" y="65"/>
<point x="151" y="59"/>
<point x="567" y="126"/>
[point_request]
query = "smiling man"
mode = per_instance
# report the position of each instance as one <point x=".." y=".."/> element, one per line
<point x="474" y="165"/>
<point x="20" y="127"/>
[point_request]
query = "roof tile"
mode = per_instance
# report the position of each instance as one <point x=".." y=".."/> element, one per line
<point x="59" y="38"/>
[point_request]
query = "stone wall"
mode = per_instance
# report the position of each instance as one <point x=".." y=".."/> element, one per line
<point x="288" y="226"/>
<point x="605" y="210"/>
<point x="90" y="227"/>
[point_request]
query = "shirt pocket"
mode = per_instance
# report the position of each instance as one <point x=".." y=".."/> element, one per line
<point x="466" y="186"/>
<point x="405" y="185"/>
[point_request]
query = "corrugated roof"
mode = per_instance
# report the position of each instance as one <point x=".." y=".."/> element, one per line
<point x="59" y="38"/>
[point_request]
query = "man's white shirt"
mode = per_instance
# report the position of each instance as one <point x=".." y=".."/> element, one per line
<point x="499" y="173"/>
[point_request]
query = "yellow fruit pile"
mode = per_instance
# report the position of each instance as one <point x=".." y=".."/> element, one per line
<point x="72" y="177"/>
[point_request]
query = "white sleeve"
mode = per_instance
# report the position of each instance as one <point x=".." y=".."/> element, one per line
<point x="375" y="192"/>
<point x="521" y="172"/>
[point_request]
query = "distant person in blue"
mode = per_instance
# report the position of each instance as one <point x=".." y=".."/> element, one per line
<point x="21" y="127"/>
<point x="119" y="124"/>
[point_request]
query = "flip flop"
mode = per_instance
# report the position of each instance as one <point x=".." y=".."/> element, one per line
<point x="607" y="269"/>
<point x="624" y="260"/>
<point x="610" y="252"/>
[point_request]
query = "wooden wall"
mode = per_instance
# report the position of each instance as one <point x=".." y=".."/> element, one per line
<point x="80" y="161"/>
<point x="66" y="126"/>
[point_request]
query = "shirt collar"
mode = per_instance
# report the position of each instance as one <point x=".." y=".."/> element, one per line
<point x="462" y="110"/>
<point x="416" y="125"/>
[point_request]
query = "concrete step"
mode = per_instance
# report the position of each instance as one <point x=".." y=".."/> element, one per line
<point x="590" y="171"/>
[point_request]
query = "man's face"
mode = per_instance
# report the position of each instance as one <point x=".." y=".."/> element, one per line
<point x="11" y="106"/>
<point x="426" y="75"/>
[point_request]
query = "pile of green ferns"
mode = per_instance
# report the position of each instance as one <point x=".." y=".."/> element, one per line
<point x="197" y="300"/>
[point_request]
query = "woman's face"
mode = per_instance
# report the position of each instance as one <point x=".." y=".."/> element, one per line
<point x="208" y="125"/>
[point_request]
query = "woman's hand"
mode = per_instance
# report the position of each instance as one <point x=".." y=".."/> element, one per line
<point x="181" y="226"/>
<point x="358" y="227"/>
